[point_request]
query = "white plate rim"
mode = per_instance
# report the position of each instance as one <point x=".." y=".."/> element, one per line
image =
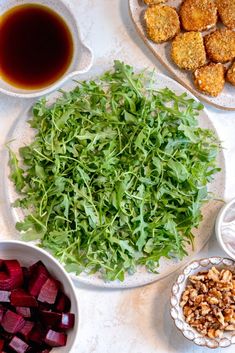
<point x="131" y="281"/>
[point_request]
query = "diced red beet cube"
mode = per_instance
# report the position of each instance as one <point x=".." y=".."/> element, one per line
<point x="23" y="311"/>
<point x="12" y="322"/>
<point x="34" y="267"/>
<point x="25" y="271"/>
<point x="20" y="298"/>
<point x="50" y="318"/>
<point x="55" y="339"/>
<point x="62" y="303"/>
<point x="26" y="329"/>
<point x="3" y="276"/>
<point x="14" y="275"/>
<point x="18" y="345"/>
<point x="1" y="344"/>
<point x="38" y="276"/>
<point x="67" y="321"/>
<point x="2" y="312"/>
<point x="48" y="292"/>
<point x="44" y="306"/>
<point x="37" y="334"/>
<point x="5" y="281"/>
<point x="4" y="296"/>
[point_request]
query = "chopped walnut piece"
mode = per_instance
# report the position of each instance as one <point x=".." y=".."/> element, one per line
<point x="208" y="302"/>
<point x="214" y="274"/>
<point x="230" y="328"/>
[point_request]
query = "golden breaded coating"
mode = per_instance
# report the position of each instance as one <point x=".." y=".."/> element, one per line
<point x="220" y="45"/>
<point x="226" y="9"/>
<point x="198" y="15"/>
<point x="210" y="79"/>
<point x="154" y="2"/>
<point x="162" y="23"/>
<point x="231" y="74"/>
<point x="188" y="50"/>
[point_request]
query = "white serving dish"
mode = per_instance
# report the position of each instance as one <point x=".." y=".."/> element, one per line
<point x="225" y="223"/>
<point x="27" y="255"/>
<point x="176" y="311"/>
<point x="82" y="56"/>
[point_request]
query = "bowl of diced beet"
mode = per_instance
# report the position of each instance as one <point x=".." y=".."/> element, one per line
<point x="38" y="304"/>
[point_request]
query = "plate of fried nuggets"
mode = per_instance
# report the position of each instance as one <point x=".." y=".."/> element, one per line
<point x="195" y="41"/>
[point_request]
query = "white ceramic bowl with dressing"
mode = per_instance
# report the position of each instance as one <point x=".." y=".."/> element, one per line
<point x="82" y="57"/>
<point x="225" y="228"/>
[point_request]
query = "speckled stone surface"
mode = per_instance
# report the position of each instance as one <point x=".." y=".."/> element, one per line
<point x="132" y="320"/>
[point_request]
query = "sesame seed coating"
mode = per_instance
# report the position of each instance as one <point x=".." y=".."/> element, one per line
<point x="210" y="79"/>
<point x="188" y="50"/>
<point x="198" y="15"/>
<point x="162" y="23"/>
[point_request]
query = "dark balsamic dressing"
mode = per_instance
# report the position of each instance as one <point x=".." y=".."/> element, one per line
<point x="36" y="46"/>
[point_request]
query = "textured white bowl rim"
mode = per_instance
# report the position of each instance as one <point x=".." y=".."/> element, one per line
<point x="180" y="282"/>
<point x="218" y="224"/>
<point x="56" y="263"/>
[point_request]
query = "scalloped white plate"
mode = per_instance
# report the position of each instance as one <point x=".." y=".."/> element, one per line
<point x="176" y="310"/>
<point x="21" y="134"/>
<point x="225" y="100"/>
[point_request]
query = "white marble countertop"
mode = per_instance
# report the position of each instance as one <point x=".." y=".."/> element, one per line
<point x="135" y="320"/>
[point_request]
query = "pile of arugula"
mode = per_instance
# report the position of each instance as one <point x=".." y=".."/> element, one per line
<point x="116" y="174"/>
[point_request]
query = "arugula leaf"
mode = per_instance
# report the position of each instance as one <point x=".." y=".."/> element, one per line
<point x="116" y="174"/>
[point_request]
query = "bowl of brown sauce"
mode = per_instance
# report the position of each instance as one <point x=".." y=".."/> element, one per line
<point x="40" y="47"/>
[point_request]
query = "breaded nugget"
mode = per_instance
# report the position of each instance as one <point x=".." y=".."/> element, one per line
<point x="210" y="79"/>
<point x="188" y="50"/>
<point x="162" y="23"/>
<point x="198" y="15"/>
<point x="154" y="2"/>
<point x="226" y="9"/>
<point x="231" y="74"/>
<point x="220" y="45"/>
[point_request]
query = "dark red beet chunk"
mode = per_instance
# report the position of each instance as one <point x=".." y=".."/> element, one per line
<point x="37" y="334"/>
<point x="38" y="276"/>
<point x="18" y="345"/>
<point x="14" y="275"/>
<point x="26" y="329"/>
<point x="23" y="311"/>
<point x="1" y="344"/>
<point x="48" y="292"/>
<point x="67" y="321"/>
<point x="25" y="276"/>
<point x="2" y="311"/>
<point x="12" y="322"/>
<point x="55" y="339"/>
<point x="63" y="303"/>
<point x="33" y="294"/>
<point x="4" y="296"/>
<point x="50" y="318"/>
<point x="20" y="298"/>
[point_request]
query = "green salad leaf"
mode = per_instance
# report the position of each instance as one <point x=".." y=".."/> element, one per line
<point x="116" y="174"/>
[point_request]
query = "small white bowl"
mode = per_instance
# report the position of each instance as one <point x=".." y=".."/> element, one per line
<point x="29" y="254"/>
<point x="176" y="311"/>
<point x="82" y="56"/>
<point x="218" y="226"/>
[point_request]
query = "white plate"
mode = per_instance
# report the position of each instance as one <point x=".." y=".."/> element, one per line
<point x="225" y="99"/>
<point x="22" y="134"/>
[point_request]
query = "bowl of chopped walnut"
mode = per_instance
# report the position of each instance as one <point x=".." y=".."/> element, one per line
<point x="203" y="302"/>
